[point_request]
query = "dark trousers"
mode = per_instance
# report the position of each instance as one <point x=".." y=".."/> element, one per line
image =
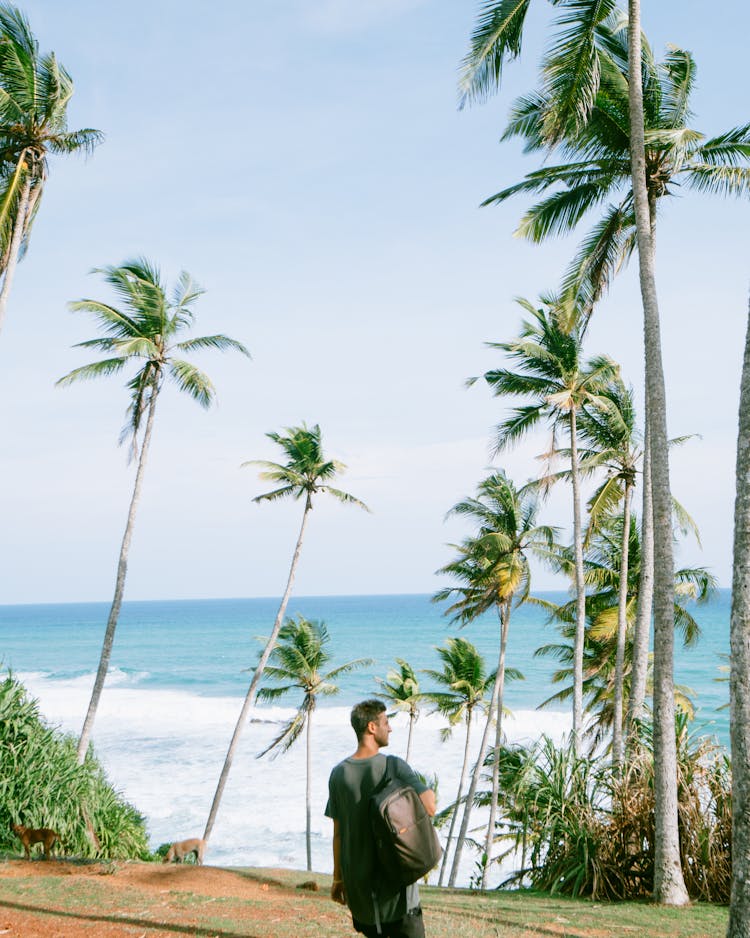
<point x="410" y="926"/>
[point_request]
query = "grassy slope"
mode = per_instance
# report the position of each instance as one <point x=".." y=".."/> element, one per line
<point x="114" y="900"/>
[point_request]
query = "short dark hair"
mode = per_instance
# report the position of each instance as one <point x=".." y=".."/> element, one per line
<point x="367" y="711"/>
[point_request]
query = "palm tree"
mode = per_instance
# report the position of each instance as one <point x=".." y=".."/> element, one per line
<point x="297" y="662"/>
<point x="739" y="675"/>
<point x="493" y="570"/>
<point x="464" y="684"/>
<point x="142" y="330"/>
<point x="573" y="69"/>
<point x="558" y="383"/>
<point x="305" y="474"/>
<point x="34" y="94"/>
<point x="401" y="690"/>
<point x="607" y="579"/>
<point x="609" y="430"/>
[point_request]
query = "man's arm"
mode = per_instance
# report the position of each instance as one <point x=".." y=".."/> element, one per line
<point x="338" y="894"/>
<point x="428" y="800"/>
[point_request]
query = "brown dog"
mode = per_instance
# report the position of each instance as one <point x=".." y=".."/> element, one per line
<point x="30" y="836"/>
<point x="183" y="848"/>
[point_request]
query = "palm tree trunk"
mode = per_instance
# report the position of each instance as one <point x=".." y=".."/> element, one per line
<point x="308" y="793"/>
<point x="642" y="635"/>
<point x="739" y="909"/>
<point x="19" y="226"/>
<point x="622" y="629"/>
<point x="669" y="884"/>
<point x="580" y="588"/>
<point x="252" y="691"/>
<point x="122" y="570"/>
<point x="488" y="841"/>
<point x="475" y="776"/>
<point x="411" y="730"/>
<point x="461" y="783"/>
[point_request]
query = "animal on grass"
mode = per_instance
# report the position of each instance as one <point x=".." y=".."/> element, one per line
<point x="309" y="884"/>
<point x="33" y="835"/>
<point x="184" y="848"/>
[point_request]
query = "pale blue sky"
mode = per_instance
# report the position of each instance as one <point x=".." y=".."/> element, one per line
<point x="306" y="162"/>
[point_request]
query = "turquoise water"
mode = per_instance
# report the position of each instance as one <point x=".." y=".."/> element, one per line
<point x="206" y="646"/>
<point x="179" y="673"/>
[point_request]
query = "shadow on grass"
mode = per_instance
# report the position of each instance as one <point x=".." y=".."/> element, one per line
<point x="494" y="917"/>
<point x="126" y="920"/>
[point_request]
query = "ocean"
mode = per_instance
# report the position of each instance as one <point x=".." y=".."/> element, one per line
<point x="180" y="670"/>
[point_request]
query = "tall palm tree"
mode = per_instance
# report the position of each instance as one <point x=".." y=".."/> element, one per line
<point x="606" y="575"/>
<point x="142" y="330"/>
<point x="464" y="684"/>
<point x="297" y="663"/>
<point x="573" y="69"/>
<point x="401" y="690"/>
<point x="493" y="569"/>
<point x="609" y="429"/>
<point x="35" y="91"/>
<point x="739" y="675"/>
<point x="553" y="377"/>
<point x="306" y="473"/>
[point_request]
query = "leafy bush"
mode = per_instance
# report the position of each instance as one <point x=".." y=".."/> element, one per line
<point x="583" y="828"/>
<point x="41" y="785"/>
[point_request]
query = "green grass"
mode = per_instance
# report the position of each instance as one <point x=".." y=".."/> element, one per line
<point x="284" y="911"/>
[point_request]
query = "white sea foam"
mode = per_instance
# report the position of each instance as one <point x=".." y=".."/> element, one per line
<point x="164" y="750"/>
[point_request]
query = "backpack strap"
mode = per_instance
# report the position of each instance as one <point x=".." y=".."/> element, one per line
<point x="388" y="775"/>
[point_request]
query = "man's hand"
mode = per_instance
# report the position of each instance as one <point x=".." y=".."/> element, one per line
<point x="338" y="893"/>
<point x="428" y="800"/>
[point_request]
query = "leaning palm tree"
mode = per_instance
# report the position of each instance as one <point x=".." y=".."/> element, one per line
<point x="142" y="330"/>
<point x="464" y="684"/>
<point x="739" y="677"/>
<point x="492" y="568"/>
<point x="35" y="91"/>
<point x="305" y="474"/>
<point x="296" y="663"/>
<point x="401" y="689"/>
<point x="555" y="380"/>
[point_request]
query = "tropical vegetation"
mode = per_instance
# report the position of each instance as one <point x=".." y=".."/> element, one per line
<point x="492" y="569"/>
<point x="400" y="688"/>
<point x="297" y="663"/>
<point x="647" y="809"/>
<point x="463" y="686"/>
<point x="307" y="472"/>
<point x="42" y="784"/>
<point x="551" y="374"/>
<point x="142" y="331"/>
<point x="584" y="63"/>
<point x="586" y="828"/>
<point x="35" y="91"/>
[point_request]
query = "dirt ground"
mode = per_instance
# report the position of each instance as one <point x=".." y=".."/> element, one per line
<point x="63" y="899"/>
<point x="57" y="899"/>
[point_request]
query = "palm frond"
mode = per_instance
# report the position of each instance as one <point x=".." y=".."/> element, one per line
<point x="98" y="369"/>
<point x="192" y="380"/>
<point x="496" y="37"/>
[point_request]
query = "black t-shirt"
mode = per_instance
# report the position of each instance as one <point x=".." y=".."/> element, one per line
<point x="349" y="788"/>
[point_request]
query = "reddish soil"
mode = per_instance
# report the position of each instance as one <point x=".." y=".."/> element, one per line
<point x="57" y="899"/>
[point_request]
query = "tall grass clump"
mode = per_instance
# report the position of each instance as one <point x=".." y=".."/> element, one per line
<point x="41" y="785"/>
<point x="581" y="827"/>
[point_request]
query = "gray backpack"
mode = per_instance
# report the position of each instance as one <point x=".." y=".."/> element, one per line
<point x="406" y="843"/>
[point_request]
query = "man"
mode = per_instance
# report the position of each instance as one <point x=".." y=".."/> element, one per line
<point x="376" y="913"/>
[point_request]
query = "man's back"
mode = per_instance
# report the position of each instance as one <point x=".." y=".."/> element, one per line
<point x="351" y="784"/>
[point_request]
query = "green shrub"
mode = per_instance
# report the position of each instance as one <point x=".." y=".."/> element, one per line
<point x="583" y="828"/>
<point x="41" y="785"/>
